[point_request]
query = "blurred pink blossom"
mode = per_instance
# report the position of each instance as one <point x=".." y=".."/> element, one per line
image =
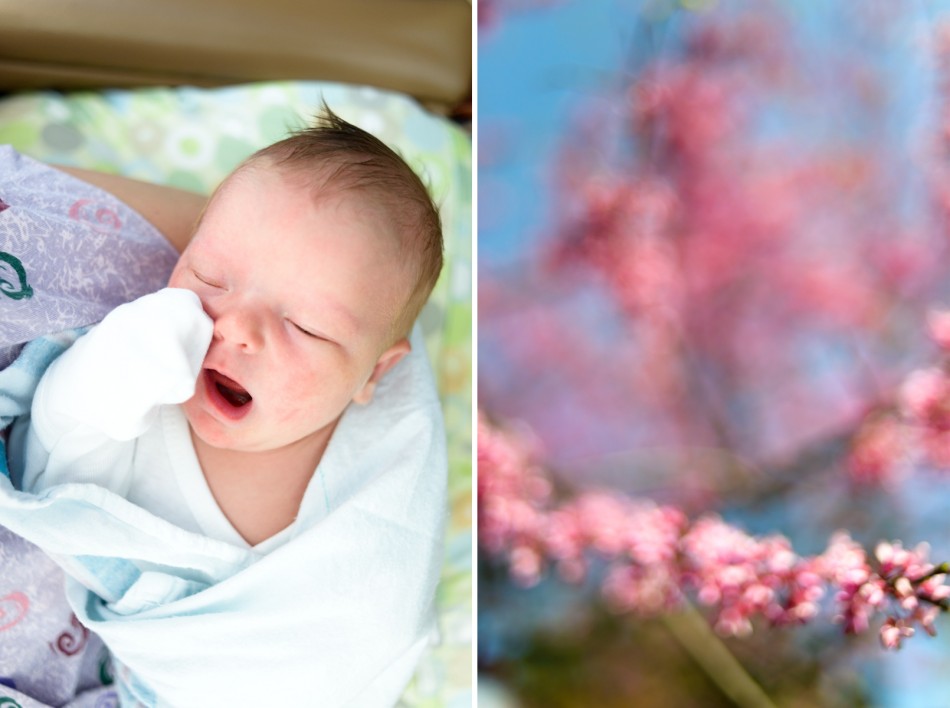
<point x="938" y="322"/>
<point x="655" y="557"/>
<point x="877" y="449"/>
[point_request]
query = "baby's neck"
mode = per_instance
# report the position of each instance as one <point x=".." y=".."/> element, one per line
<point x="260" y="492"/>
<point x="297" y="458"/>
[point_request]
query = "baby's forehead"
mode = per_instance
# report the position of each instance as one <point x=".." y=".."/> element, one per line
<point x="266" y="184"/>
<point x="321" y="188"/>
<point x="315" y="185"/>
<point x="252" y="203"/>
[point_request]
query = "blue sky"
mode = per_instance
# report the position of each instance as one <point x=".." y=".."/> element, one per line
<point x="534" y="69"/>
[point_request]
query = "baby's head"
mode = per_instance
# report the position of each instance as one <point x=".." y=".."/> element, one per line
<point x="333" y="158"/>
<point x="313" y="258"/>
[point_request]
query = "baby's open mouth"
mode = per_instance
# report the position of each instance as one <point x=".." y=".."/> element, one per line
<point x="230" y="390"/>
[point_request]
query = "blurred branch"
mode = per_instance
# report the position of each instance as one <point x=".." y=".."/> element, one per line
<point x="692" y="631"/>
<point x="648" y="471"/>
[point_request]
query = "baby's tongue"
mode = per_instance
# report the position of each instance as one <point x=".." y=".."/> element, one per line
<point x="232" y="392"/>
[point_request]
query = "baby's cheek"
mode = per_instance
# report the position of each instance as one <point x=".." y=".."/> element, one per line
<point x="298" y="393"/>
<point x="302" y="414"/>
<point x="315" y="399"/>
<point x="174" y="280"/>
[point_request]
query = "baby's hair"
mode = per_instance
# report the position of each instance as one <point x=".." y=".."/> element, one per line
<point x="342" y="156"/>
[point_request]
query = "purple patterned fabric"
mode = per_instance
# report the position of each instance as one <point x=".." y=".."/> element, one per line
<point x="46" y="656"/>
<point x="69" y="253"/>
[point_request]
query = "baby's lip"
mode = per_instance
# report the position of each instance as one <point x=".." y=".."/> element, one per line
<point x="225" y="380"/>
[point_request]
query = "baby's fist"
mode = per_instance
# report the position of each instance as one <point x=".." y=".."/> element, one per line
<point x="142" y="355"/>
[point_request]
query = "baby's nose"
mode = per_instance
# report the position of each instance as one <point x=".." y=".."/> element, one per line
<point x="240" y="328"/>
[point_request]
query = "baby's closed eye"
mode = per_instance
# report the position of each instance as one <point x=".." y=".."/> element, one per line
<point x="207" y="280"/>
<point x="308" y="332"/>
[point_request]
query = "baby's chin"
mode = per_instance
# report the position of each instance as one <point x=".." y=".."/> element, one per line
<point x="210" y="431"/>
<point x="206" y="430"/>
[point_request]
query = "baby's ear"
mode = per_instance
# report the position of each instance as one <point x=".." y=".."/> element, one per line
<point x="387" y="360"/>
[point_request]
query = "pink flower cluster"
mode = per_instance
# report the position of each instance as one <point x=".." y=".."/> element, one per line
<point x="744" y="577"/>
<point x="925" y="402"/>
<point x="903" y="585"/>
<point x="917" y="429"/>
<point x="656" y="557"/>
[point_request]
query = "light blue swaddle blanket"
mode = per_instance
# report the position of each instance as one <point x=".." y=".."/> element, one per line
<point x="337" y="616"/>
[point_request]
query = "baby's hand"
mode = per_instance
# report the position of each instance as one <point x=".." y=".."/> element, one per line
<point x="143" y="354"/>
<point x="156" y="344"/>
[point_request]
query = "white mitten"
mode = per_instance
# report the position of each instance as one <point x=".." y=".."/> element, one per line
<point x="144" y="354"/>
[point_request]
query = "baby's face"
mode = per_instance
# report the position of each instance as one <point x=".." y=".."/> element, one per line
<point x="303" y="296"/>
